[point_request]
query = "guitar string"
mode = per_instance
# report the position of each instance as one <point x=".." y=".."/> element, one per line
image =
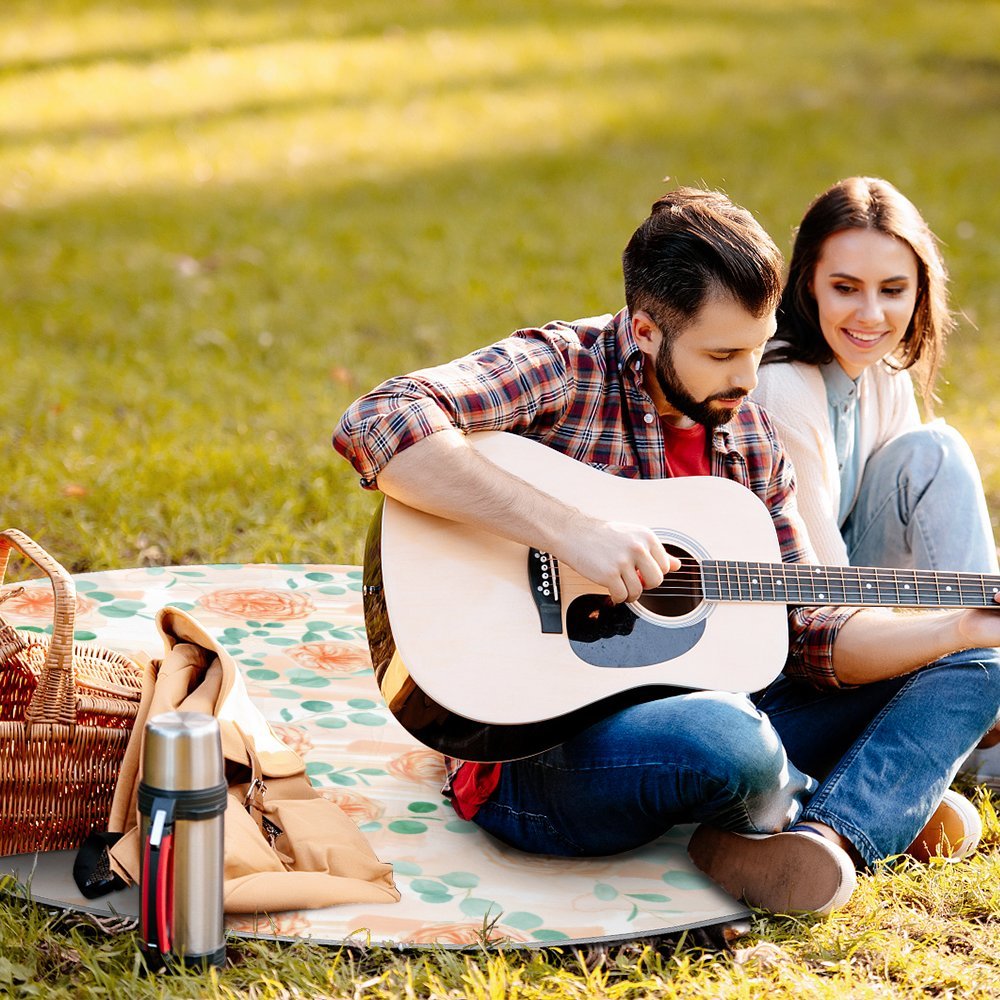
<point x="809" y="571"/>
<point x="689" y="581"/>
<point x="849" y="600"/>
<point x="848" y="584"/>
<point x="834" y="597"/>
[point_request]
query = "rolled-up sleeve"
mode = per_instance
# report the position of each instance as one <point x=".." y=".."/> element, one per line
<point x="812" y="632"/>
<point x="383" y="423"/>
<point x="515" y="384"/>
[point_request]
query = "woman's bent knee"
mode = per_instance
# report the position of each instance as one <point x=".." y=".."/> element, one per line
<point x="928" y="451"/>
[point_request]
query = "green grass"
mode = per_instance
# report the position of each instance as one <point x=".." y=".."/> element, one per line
<point x="910" y="932"/>
<point x="221" y="221"/>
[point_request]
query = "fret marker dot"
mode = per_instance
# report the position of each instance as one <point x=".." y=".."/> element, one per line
<point x="823" y="596"/>
<point x="753" y="579"/>
<point x="868" y="586"/>
<point x="947" y="588"/>
<point x="906" y="586"/>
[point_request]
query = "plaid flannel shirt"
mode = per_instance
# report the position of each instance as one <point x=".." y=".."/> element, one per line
<point x="577" y="387"/>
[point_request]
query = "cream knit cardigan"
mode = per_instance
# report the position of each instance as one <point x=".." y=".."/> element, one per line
<point x="794" y="395"/>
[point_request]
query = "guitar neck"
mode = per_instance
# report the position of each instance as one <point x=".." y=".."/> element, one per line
<point x="801" y="583"/>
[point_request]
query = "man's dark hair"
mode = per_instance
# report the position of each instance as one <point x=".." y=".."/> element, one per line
<point x="694" y="244"/>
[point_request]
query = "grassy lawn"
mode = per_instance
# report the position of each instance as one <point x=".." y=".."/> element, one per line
<point x="220" y="221"/>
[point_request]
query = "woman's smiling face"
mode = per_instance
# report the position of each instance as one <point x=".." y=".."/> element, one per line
<point x="865" y="285"/>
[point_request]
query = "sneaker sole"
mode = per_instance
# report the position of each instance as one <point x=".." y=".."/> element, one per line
<point x="782" y="872"/>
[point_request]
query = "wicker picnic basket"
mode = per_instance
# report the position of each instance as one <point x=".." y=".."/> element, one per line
<point x="66" y="712"/>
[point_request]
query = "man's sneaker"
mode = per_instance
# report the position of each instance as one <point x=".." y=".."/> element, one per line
<point x="789" y="872"/>
<point x="953" y="831"/>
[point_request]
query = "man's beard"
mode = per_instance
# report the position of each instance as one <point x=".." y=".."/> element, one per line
<point x="680" y="399"/>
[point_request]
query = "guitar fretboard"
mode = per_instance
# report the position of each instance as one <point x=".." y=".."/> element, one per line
<point x="800" y="583"/>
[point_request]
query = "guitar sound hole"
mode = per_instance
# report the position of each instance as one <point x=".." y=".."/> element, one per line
<point x="680" y="593"/>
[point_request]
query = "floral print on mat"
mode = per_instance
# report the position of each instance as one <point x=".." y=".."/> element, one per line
<point x="38" y="603"/>
<point x="297" y="633"/>
<point x="423" y="766"/>
<point x="248" y="602"/>
<point x="331" y="657"/>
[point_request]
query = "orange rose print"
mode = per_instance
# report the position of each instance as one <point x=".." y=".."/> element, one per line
<point x="422" y="766"/>
<point x="259" y="605"/>
<point x="331" y="657"/>
<point x="39" y="602"/>
<point x="355" y="805"/>
<point x="294" y="737"/>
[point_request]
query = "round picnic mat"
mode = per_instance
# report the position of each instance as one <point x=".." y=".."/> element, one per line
<point x="297" y="632"/>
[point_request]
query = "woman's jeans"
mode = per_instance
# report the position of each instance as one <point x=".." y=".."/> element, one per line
<point x="886" y="752"/>
<point x="921" y="506"/>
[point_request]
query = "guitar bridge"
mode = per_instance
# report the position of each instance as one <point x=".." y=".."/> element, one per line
<point x="543" y="578"/>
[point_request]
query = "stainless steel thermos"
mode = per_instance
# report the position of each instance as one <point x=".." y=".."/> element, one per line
<point x="182" y="801"/>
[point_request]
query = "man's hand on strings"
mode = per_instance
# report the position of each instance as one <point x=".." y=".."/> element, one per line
<point x="624" y="558"/>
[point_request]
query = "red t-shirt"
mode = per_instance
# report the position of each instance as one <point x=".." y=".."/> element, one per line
<point x="686" y="450"/>
<point x="686" y="455"/>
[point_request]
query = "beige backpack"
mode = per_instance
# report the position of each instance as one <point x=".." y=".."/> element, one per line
<point x="286" y="847"/>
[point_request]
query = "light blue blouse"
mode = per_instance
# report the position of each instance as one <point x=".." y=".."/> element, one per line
<point x="842" y="402"/>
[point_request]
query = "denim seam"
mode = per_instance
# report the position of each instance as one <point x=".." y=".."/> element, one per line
<point x="816" y="810"/>
<point x="738" y="801"/>
<point x="541" y="819"/>
<point x="926" y="539"/>
<point x="893" y="497"/>
<point x="826" y="694"/>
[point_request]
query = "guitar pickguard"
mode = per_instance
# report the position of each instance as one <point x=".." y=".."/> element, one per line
<point x="612" y="635"/>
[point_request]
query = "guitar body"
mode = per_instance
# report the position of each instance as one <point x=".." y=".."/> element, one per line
<point x="458" y="636"/>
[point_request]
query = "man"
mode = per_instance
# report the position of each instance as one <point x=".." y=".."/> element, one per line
<point x="852" y="749"/>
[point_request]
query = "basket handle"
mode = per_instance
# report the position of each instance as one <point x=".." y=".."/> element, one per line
<point x="54" y="700"/>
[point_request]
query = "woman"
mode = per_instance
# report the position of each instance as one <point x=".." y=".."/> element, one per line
<point x="865" y="305"/>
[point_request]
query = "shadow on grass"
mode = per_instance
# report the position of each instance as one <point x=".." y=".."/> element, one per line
<point x="180" y="359"/>
<point x="240" y="24"/>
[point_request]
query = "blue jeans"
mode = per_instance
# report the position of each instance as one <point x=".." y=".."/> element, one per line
<point x="884" y="754"/>
<point x="695" y="757"/>
<point x="921" y="506"/>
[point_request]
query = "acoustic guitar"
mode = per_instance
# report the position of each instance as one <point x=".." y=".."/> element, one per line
<point x="488" y="650"/>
